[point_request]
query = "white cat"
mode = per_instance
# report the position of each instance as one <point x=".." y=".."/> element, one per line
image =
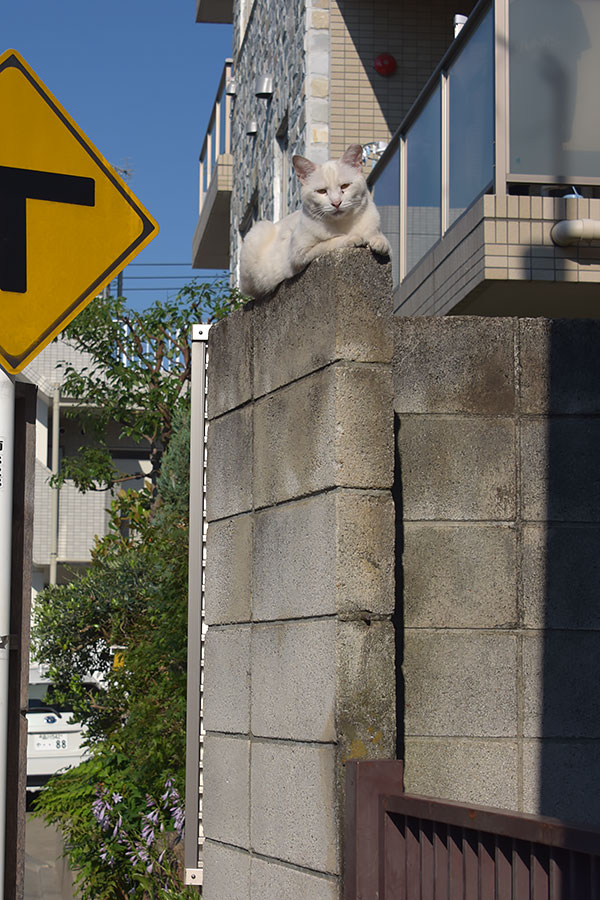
<point x="337" y="211"/>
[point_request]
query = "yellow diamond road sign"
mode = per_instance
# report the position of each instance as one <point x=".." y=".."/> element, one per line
<point x="68" y="222"/>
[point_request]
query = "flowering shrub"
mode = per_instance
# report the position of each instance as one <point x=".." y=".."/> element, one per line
<point x="149" y="848"/>
<point x="121" y="844"/>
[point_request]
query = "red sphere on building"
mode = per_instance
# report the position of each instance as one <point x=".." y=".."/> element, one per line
<point x="385" y="64"/>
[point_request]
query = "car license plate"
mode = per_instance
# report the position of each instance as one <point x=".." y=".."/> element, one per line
<point x="51" y="742"/>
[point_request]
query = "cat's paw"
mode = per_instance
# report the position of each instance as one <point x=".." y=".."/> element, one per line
<point x="380" y="244"/>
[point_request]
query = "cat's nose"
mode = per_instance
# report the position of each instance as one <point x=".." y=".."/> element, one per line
<point x="336" y="203"/>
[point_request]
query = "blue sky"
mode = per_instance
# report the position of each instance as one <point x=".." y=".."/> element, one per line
<point x="139" y="77"/>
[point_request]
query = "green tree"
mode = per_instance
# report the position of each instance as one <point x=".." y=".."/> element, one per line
<point x="138" y="376"/>
<point x="124" y="618"/>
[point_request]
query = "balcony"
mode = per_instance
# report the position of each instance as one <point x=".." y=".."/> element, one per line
<point x="497" y="150"/>
<point x="211" y="239"/>
<point x="214" y="11"/>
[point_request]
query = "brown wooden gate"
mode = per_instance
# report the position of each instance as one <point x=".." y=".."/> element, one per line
<point x="404" y="847"/>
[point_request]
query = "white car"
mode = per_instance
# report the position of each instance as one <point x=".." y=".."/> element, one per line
<point x="54" y="742"/>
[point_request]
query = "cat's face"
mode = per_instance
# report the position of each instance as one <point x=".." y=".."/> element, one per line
<point x="334" y="189"/>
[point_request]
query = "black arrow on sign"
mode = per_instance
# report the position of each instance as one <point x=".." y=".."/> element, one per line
<point x="16" y="187"/>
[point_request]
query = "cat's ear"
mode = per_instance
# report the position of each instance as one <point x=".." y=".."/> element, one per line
<point x="353" y="156"/>
<point x="303" y="167"/>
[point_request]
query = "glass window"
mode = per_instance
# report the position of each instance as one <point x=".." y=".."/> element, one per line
<point x="471" y="102"/>
<point x="423" y="182"/>
<point x="386" y="194"/>
<point x="554" y="58"/>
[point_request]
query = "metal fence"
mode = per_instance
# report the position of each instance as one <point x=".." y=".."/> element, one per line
<point x="404" y="847"/>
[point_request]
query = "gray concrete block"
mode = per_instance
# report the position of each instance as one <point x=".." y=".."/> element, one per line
<point x="454" y="364"/>
<point x="227" y="679"/>
<point x="230" y="361"/>
<point x="560" y="779"/>
<point x="366" y="690"/>
<point x="228" y="591"/>
<point x="226" y="873"/>
<point x="229" y="473"/>
<point x="465" y="770"/>
<point x="459" y="576"/>
<point x="338" y="308"/>
<point x="326" y="553"/>
<point x="331" y="429"/>
<point x="561" y="685"/>
<point x="561" y="574"/>
<point x="226" y="798"/>
<point x="560" y="472"/>
<point x="461" y="683"/>
<point x="457" y="468"/>
<point x="294" y="680"/>
<point x="271" y="880"/>
<point x="295" y="559"/>
<point x="364" y="568"/>
<point x="293" y="809"/>
<point x="560" y="365"/>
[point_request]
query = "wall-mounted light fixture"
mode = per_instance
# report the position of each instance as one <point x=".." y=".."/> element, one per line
<point x="264" y="87"/>
<point x="231" y="88"/>
<point x="459" y="21"/>
<point x="252" y="127"/>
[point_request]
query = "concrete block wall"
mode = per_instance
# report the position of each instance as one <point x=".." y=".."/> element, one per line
<point x="497" y="438"/>
<point x="300" y="650"/>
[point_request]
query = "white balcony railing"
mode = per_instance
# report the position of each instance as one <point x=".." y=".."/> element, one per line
<point x="217" y="141"/>
<point x="509" y="109"/>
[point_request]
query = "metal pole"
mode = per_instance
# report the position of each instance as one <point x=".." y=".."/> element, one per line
<point x="194" y="729"/>
<point x="54" y="494"/>
<point x="7" y="417"/>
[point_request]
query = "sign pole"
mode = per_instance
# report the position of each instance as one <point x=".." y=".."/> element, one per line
<point x="7" y="415"/>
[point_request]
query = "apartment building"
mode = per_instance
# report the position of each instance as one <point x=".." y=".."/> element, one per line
<point x="479" y="142"/>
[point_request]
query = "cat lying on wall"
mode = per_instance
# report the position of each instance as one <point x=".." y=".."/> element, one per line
<point x="337" y="211"/>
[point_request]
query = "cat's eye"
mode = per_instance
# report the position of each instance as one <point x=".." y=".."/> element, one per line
<point x="321" y="190"/>
<point x="344" y="186"/>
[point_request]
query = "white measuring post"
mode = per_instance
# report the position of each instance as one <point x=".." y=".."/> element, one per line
<point x="7" y="418"/>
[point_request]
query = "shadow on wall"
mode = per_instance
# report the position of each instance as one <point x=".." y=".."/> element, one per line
<point x="562" y="575"/>
<point x="416" y="33"/>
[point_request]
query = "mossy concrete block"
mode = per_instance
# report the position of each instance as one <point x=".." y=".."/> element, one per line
<point x="333" y="428"/>
<point x="293" y="809"/>
<point x="228" y="591"/>
<point x="459" y="576"/>
<point x="560" y="472"/>
<point x="466" y="770"/>
<point x="457" y="468"/>
<point x="455" y="679"/>
<point x="561" y="685"/>
<point x="560" y="366"/>
<point x="227" y="679"/>
<point x="226" y="798"/>
<point x="339" y="308"/>
<point x="366" y="690"/>
<point x="230" y="361"/>
<point x="229" y="477"/>
<point x="454" y="364"/>
<point x="226" y="872"/>
<point x="294" y="680"/>
<point x="271" y="880"/>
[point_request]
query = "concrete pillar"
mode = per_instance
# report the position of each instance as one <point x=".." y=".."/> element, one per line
<point x="300" y="575"/>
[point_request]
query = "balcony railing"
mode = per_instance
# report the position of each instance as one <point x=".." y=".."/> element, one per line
<point x="442" y="156"/>
<point x="508" y="109"/>
<point x="218" y="134"/>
